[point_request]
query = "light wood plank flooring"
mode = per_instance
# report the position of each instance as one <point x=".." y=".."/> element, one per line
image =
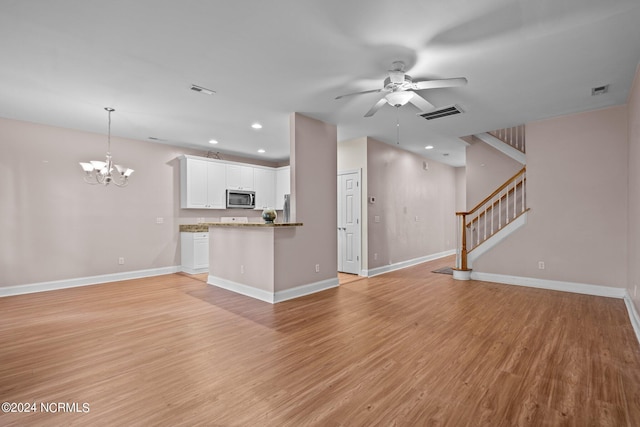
<point x="409" y="348"/>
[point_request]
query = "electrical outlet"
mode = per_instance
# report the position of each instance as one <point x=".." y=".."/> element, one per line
<point x="376" y="218"/>
<point x="241" y="269"/>
<point x="121" y="261"/>
<point x="159" y="220"/>
<point x="317" y="268"/>
<point x="200" y="220"/>
<point x="375" y="257"/>
<point x="540" y="265"/>
<point x="417" y="218"/>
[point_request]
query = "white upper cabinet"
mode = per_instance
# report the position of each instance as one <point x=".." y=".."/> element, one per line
<point x="264" y="186"/>
<point x="202" y="184"/>
<point x="239" y="177"/>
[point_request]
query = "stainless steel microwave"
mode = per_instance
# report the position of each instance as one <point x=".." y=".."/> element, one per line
<point x="241" y="199"/>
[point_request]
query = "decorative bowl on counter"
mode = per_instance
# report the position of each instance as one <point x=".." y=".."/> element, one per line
<point x="269" y="215"/>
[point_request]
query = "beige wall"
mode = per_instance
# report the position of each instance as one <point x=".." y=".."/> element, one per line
<point x="577" y="192"/>
<point x="634" y="193"/>
<point x="404" y="190"/>
<point x="486" y="169"/>
<point x="461" y="189"/>
<point x="314" y="201"/>
<point x="54" y="226"/>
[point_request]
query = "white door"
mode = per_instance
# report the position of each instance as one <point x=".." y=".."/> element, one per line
<point x="349" y="223"/>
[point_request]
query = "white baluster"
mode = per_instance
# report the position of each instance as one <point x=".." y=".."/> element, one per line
<point x="500" y="211"/>
<point x="507" y="207"/>
<point x="523" y="192"/>
<point x="485" y="223"/>
<point x="515" y="199"/>
<point x="492" y="215"/>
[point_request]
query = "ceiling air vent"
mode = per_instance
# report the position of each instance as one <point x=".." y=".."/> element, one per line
<point x="600" y="90"/>
<point x="201" y="89"/>
<point x="443" y="112"/>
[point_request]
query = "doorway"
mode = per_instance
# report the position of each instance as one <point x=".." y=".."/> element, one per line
<point x="349" y="221"/>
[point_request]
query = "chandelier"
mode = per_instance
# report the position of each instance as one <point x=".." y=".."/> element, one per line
<point x="105" y="173"/>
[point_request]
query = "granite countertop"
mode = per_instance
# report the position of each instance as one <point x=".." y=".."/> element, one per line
<point x="204" y="227"/>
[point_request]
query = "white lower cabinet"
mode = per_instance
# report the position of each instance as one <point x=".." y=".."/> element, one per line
<point x="194" y="252"/>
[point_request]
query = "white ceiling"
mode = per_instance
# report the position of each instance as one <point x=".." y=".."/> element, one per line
<point x="63" y="61"/>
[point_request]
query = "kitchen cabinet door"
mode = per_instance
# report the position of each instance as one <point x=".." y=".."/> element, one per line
<point x="239" y="177"/>
<point x="195" y="186"/>
<point x="194" y="252"/>
<point x="216" y="186"/>
<point x="265" y="186"/>
<point x="202" y="184"/>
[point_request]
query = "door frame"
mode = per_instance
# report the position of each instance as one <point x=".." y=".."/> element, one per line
<point x="359" y="174"/>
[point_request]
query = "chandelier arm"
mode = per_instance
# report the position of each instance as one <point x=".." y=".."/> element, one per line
<point x="91" y="180"/>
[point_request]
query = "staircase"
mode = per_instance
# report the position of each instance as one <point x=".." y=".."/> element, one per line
<point x="500" y="213"/>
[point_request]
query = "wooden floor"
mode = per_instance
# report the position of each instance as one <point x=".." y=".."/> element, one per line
<point x="345" y="278"/>
<point x="408" y="348"/>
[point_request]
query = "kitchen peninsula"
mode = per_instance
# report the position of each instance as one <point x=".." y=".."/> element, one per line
<point x="281" y="261"/>
<point x="249" y="258"/>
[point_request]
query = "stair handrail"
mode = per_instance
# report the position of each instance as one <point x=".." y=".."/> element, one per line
<point x="462" y="261"/>
<point x="496" y="192"/>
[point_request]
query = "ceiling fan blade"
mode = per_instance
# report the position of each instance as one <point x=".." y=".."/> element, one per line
<point x="435" y="84"/>
<point x="376" y="107"/>
<point x="360" y="93"/>
<point x="422" y="104"/>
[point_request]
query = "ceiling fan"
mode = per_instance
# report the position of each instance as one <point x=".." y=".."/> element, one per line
<point x="400" y="89"/>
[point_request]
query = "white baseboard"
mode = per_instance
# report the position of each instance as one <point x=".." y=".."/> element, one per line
<point x="303" y="290"/>
<point x="241" y="289"/>
<point x="85" y="281"/>
<point x="633" y="315"/>
<point x="555" y="285"/>
<point x="190" y="270"/>
<point x="409" y="263"/>
<point x="272" y="297"/>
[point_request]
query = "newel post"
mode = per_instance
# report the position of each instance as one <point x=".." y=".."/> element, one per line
<point x="462" y="272"/>
<point x="463" y="249"/>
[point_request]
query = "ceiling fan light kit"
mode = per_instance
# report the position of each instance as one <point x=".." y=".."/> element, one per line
<point x="398" y="99"/>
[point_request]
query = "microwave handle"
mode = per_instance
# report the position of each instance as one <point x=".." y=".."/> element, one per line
<point x="253" y="201"/>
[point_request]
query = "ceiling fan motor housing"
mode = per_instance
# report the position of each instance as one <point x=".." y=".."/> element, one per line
<point x="404" y="84"/>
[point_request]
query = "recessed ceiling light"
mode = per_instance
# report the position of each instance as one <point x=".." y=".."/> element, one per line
<point x="256" y="126"/>
<point x="261" y="151"/>
<point x="429" y="147"/>
<point x="213" y="141"/>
